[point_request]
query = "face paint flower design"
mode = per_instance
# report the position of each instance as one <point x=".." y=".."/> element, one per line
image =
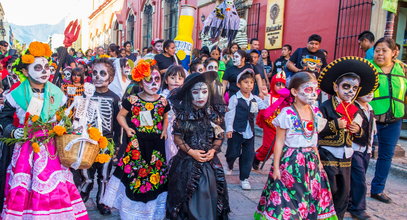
<point x="39" y="71"/>
<point x="151" y="85"/>
<point x="308" y="93"/>
<point x="347" y="89"/>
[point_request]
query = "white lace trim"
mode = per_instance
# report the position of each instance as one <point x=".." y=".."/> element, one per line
<point x="77" y="210"/>
<point x="43" y="187"/>
<point x="115" y="196"/>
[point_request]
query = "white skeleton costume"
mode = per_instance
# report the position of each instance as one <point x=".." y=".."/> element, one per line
<point x="99" y="110"/>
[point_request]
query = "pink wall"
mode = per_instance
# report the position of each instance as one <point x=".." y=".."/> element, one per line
<point x="301" y="20"/>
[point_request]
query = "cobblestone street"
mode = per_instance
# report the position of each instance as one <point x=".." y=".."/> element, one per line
<point x="243" y="203"/>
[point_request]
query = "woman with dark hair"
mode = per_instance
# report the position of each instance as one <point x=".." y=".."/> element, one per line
<point x="197" y="187"/>
<point x="89" y="55"/>
<point x="168" y="57"/>
<point x="113" y="50"/>
<point x="228" y="57"/>
<point x="389" y="108"/>
<point x="267" y="63"/>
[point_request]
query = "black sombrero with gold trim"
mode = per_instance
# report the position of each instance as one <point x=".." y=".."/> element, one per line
<point x="360" y="66"/>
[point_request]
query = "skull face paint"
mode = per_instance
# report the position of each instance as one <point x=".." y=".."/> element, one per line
<point x="67" y="74"/>
<point x="152" y="85"/>
<point x="236" y="59"/>
<point x="308" y="93"/>
<point x="126" y="70"/>
<point x="212" y="66"/>
<point x="367" y="98"/>
<point x="39" y="70"/>
<point x="159" y="47"/>
<point x="347" y="89"/>
<point x="200" y="94"/>
<point x="100" y="75"/>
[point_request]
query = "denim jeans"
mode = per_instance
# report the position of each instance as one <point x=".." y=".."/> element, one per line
<point x="388" y="135"/>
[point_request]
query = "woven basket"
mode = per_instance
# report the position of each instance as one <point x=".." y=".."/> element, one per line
<point x="67" y="158"/>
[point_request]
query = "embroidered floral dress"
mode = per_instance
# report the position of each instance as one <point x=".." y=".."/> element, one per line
<point x="138" y="188"/>
<point x="303" y="191"/>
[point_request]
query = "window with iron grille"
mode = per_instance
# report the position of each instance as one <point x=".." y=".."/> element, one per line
<point x="171" y="18"/>
<point x="251" y="13"/>
<point x="353" y="18"/>
<point x="147" y="25"/>
<point x="130" y="28"/>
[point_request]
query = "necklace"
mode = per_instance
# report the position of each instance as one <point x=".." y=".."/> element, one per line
<point x="308" y="137"/>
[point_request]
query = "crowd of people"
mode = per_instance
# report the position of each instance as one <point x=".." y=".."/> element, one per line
<point x="168" y="124"/>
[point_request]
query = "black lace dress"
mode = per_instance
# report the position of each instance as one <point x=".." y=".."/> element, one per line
<point x="197" y="190"/>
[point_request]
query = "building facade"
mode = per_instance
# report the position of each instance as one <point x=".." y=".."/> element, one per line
<point x="338" y="22"/>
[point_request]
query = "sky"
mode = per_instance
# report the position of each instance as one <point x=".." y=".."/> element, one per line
<point x="30" y="12"/>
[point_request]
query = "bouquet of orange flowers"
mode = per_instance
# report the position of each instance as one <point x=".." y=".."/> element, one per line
<point x="142" y="70"/>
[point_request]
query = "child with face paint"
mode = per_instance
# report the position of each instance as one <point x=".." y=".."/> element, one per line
<point x="76" y="87"/>
<point x="197" y="186"/>
<point x="108" y="108"/>
<point x="140" y="179"/>
<point x="38" y="186"/>
<point x="351" y="77"/>
<point x="279" y="98"/>
<point x="297" y="187"/>
<point x="173" y="79"/>
<point x="67" y="75"/>
<point x="240" y="126"/>
<point x="362" y="148"/>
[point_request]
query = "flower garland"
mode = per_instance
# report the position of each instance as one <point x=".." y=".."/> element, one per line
<point x="42" y="132"/>
<point x="36" y="49"/>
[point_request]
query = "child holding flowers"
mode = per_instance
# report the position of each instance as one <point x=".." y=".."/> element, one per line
<point x="297" y="186"/>
<point x="38" y="186"/>
<point x="138" y="188"/>
<point x="106" y="113"/>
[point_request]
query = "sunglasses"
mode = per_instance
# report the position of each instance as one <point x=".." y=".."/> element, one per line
<point x="280" y="84"/>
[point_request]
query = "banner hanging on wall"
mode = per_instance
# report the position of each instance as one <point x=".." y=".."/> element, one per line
<point x="274" y="24"/>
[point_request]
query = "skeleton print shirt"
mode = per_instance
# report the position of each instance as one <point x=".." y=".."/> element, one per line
<point x="108" y="104"/>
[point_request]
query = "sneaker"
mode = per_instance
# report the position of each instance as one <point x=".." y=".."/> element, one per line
<point x="246" y="185"/>
<point x="381" y="197"/>
<point x="256" y="164"/>
<point x="228" y="171"/>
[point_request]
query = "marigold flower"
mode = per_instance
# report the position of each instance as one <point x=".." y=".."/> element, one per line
<point x="35" y="118"/>
<point x="141" y="71"/>
<point x="102" y="158"/>
<point x="59" y="130"/>
<point x="37" y="49"/>
<point x="36" y="147"/>
<point x="94" y="133"/>
<point x="27" y="59"/>
<point x="47" y="49"/>
<point x="155" y="178"/>
<point x="138" y="184"/>
<point x="103" y="142"/>
<point x="126" y="160"/>
<point x="149" y="106"/>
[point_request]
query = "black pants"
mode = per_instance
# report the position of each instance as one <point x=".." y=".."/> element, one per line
<point x="357" y="200"/>
<point x="241" y="148"/>
<point x="338" y="172"/>
<point x="88" y="175"/>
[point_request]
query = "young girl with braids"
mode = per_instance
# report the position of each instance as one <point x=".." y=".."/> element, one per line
<point x="297" y="187"/>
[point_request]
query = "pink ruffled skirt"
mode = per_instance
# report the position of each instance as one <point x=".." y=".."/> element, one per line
<point x="39" y="187"/>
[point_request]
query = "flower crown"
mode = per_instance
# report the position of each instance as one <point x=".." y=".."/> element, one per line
<point x="36" y="49"/>
<point x="142" y="70"/>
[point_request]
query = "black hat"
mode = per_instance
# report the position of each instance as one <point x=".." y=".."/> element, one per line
<point x="191" y="80"/>
<point x="361" y="67"/>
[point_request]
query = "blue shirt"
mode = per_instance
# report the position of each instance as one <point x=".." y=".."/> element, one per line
<point x="369" y="54"/>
